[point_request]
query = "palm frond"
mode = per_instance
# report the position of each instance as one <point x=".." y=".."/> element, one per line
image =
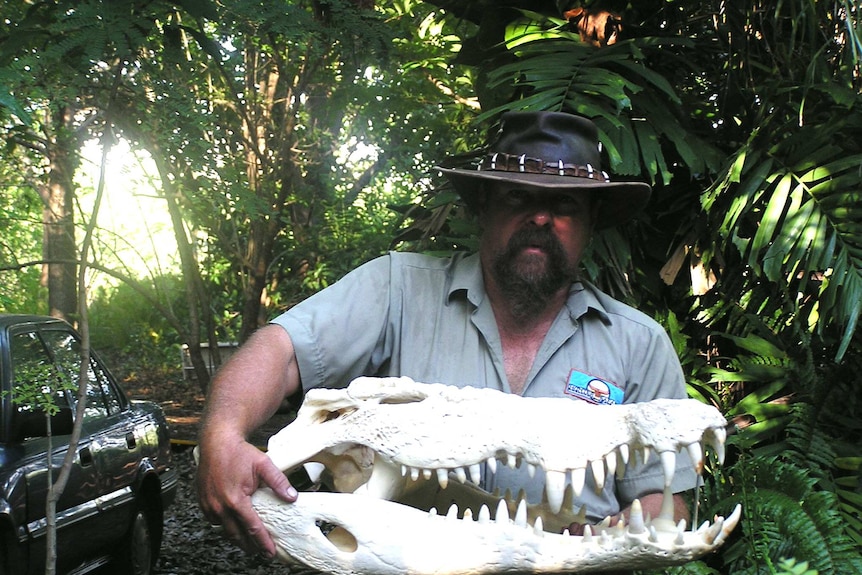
<point x="792" y="210"/>
<point x="635" y="108"/>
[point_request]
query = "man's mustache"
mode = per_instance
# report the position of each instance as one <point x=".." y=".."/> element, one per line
<point x="535" y="237"/>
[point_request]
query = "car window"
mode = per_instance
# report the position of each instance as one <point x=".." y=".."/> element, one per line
<point x="36" y="380"/>
<point x="109" y="393"/>
<point x="67" y="355"/>
<point x="112" y="396"/>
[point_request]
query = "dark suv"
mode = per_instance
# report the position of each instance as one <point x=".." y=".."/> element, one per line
<point x="121" y="480"/>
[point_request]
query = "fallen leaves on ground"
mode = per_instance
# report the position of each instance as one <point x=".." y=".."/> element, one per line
<point x="191" y="545"/>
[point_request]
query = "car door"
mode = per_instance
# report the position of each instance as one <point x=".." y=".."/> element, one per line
<point x="113" y="439"/>
<point x="33" y="368"/>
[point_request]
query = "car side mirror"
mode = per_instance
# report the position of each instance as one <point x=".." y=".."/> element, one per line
<point x="29" y="424"/>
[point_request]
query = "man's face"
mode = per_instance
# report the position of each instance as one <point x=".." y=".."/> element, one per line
<point x="533" y="240"/>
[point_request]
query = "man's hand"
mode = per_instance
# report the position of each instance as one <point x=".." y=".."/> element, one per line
<point x="230" y="469"/>
<point x="228" y="473"/>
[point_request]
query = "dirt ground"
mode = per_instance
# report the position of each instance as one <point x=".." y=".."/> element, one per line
<point x="191" y="545"/>
<point x="182" y="401"/>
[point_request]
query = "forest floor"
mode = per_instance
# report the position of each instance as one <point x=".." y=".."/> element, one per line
<point x="182" y="401"/>
<point x="191" y="545"/>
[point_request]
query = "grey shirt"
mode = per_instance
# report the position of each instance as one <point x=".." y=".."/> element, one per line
<point x="430" y="319"/>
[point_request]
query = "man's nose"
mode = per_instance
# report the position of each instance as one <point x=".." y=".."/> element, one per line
<point x="541" y="214"/>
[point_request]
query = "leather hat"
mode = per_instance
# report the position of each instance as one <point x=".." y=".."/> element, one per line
<point x="551" y="151"/>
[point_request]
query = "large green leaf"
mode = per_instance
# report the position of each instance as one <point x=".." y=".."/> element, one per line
<point x="809" y="224"/>
<point x="616" y="88"/>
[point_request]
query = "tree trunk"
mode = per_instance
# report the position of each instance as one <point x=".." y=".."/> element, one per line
<point x="50" y="507"/>
<point x="263" y="77"/>
<point x="258" y="258"/>
<point x="58" y="220"/>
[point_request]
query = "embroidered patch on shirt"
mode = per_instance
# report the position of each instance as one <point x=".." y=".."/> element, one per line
<point x="592" y="389"/>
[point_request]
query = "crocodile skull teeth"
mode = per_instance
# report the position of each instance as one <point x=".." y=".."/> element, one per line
<point x="382" y="440"/>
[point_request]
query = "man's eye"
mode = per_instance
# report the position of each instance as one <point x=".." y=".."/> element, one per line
<point x="516" y="197"/>
<point x="566" y="205"/>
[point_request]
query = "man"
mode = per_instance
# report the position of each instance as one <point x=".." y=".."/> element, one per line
<point x="514" y="317"/>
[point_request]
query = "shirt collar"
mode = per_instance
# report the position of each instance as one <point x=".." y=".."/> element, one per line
<point x="584" y="298"/>
<point x="466" y="276"/>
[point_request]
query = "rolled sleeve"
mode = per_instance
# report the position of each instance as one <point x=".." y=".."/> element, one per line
<point x="338" y="333"/>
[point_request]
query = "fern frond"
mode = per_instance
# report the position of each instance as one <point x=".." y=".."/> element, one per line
<point x="785" y="516"/>
<point x="811" y="447"/>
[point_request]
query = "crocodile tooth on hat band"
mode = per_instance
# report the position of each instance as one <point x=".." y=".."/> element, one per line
<point x="502" y="162"/>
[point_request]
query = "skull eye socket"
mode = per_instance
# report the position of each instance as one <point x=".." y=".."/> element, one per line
<point x="338" y="536"/>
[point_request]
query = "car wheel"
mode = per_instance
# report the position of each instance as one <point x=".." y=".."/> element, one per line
<point x="136" y="555"/>
<point x="5" y="569"/>
<point x="9" y="562"/>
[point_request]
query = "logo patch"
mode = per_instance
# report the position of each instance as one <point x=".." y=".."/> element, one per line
<point x="592" y="389"/>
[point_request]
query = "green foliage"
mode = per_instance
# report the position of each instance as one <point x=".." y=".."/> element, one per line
<point x="9" y="103"/>
<point x="694" y="363"/>
<point x="784" y="516"/>
<point x="793" y="464"/>
<point x="783" y="208"/>
<point x="37" y="387"/>
<point x="80" y="33"/>
<point x="848" y="488"/>
<point x="803" y="193"/>
<point x="791" y="567"/>
<point x="690" y="568"/>
<point x="347" y="236"/>
<point x="839" y="416"/>
<point x="786" y="483"/>
<point x="303" y="122"/>
<point x="794" y="459"/>
<point x="754" y="383"/>
<point x="123" y="323"/>
<point x="20" y="242"/>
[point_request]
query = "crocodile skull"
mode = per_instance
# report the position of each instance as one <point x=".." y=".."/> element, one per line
<point x="391" y="447"/>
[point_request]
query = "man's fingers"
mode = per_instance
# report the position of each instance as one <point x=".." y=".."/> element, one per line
<point x="271" y="476"/>
<point x="260" y="538"/>
<point x="226" y="481"/>
<point x="246" y="530"/>
<point x="255" y="536"/>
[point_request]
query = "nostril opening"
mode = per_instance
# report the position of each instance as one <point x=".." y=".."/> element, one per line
<point x="338" y="536"/>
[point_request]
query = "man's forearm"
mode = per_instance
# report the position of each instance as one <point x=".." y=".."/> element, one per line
<point x="251" y="385"/>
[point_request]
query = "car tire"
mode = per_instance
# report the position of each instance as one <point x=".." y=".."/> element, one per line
<point x="138" y="552"/>
<point x="9" y="562"/>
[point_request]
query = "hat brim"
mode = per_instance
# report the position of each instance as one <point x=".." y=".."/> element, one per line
<point x="620" y="201"/>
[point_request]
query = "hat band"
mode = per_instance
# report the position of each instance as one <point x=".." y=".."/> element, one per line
<point x="502" y="162"/>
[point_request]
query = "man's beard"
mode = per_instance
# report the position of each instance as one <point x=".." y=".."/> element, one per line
<point x="529" y="281"/>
